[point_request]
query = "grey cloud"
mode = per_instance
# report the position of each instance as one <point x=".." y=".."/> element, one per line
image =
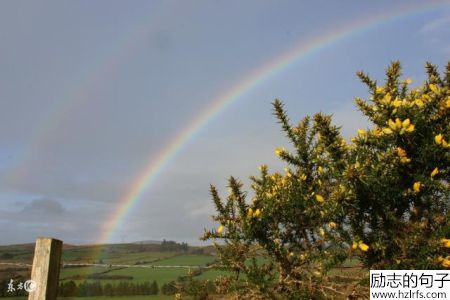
<point x="46" y="206"/>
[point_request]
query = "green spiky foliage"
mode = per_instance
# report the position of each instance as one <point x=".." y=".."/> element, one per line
<point x="383" y="198"/>
<point x="398" y="171"/>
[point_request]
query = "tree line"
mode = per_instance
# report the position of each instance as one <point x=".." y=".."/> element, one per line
<point x="95" y="288"/>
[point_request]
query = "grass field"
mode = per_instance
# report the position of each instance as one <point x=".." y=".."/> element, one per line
<point x="187" y="260"/>
<point x="126" y="254"/>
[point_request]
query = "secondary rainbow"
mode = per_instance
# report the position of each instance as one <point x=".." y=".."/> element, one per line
<point x="157" y="164"/>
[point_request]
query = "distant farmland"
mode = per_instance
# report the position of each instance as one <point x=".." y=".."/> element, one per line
<point x="111" y="271"/>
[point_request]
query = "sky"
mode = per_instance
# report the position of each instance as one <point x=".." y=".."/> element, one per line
<point x="92" y="91"/>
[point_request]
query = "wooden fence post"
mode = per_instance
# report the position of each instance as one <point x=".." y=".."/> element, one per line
<point x="45" y="271"/>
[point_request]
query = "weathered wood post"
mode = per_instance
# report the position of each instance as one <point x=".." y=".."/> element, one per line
<point x="45" y="271"/>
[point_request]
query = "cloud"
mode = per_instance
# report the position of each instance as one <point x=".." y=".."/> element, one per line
<point x="74" y="223"/>
<point x="47" y="206"/>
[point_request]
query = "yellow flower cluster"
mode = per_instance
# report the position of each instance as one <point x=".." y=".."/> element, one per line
<point x="361" y="245"/>
<point x="445" y="262"/>
<point x="253" y="214"/>
<point x="387" y="100"/>
<point x="418" y="98"/>
<point x="445" y="243"/>
<point x="416" y="186"/>
<point x="399" y="125"/>
<point x="377" y="132"/>
<point x="403" y="156"/>
<point x="280" y="151"/>
<point x="439" y="139"/>
<point x="434" y="88"/>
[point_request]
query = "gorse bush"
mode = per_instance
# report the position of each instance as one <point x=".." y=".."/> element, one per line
<point x="382" y="198"/>
<point x="398" y="172"/>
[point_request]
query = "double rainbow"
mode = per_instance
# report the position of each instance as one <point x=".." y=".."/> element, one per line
<point x="156" y="165"/>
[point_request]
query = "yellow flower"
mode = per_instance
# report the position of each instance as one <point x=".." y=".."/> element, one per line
<point x="438" y="139"/>
<point x="220" y="229"/>
<point x="303" y="177"/>
<point x="445" y="243"/>
<point x="397" y="102"/>
<point x="408" y="80"/>
<point x="435" y="172"/>
<point x="320" y="170"/>
<point x="363" y="246"/>
<point x="377" y="132"/>
<point x="410" y="128"/>
<point x="405" y="160"/>
<point x="387" y="130"/>
<point x="406" y="123"/>
<point x="398" y="124"/>
<point x="434" y="88"/>
<point x="250" y="212"/>
<point x="387" y="98"/>
<point x="380" y="89"/>
<point x="319" y="199"/>
<point x="445" y="144"/>
<point x="279" y="151"/>
<point x="354" y="245"/>
<point x="262" y="167"/>
<point x="446" y="262"/>
<point x="392" y="124"/>
<point x="332" y="225"/>
<point x="257" y="213"/>
<point x="416" y="186"/>
<point x="447" y="103"/>
<point x="361" y="132"/>
<point x="401" y="152"/>
<point x="291" y="254"/>
<point x="418" y="102"/>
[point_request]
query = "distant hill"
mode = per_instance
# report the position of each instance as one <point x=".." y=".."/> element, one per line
<point x="148" y="242"/>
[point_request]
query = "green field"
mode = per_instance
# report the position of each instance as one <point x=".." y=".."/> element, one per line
<point x="187" y="260"/>
<point x="112" y="256"/>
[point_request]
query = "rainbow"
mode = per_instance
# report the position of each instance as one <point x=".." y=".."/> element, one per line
<point x="156" y="165"/>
